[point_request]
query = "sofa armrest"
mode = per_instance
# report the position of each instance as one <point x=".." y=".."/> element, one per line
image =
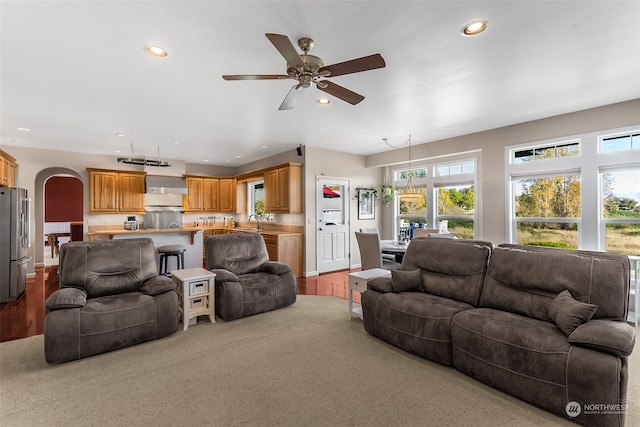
<point x="223" y="275"/>
<point x="157" y="285"/>
<point x="609" y="336"/>
<point x="275" y="267"/>
<point x="380" y="284"/>
<point x="66" y="298"/>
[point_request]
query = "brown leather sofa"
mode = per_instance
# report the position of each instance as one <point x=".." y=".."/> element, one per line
<point x="545" y="325"/>
<point x="110" y="297"/>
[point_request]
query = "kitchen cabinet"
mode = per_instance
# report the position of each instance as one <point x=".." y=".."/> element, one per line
<point x="193" y="200"/>
<point x="116" y="191"/>
<point x="286" y="248"/>
<point x="7" y="170"/>
<point x="228" y="194"/>
<point x="283" y="189"/>
<point x="208" y="194"/>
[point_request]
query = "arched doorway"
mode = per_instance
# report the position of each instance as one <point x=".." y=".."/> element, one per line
<point x="62" y="211"/>
<point x="39" y="206"/>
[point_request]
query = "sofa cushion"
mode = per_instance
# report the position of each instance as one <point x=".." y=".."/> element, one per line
<point x="418" y="323"/>
<point x="406" y="281"/>
<point x="239" y="253"/>
<point x="263" y="292"/>
<point x="116" y="321"/>
<point x="610" y="336"/>
<point x="525" y="280"/>
<point x="517" y="354"/>
<point x="450" y="268"/>
<point x="568" y="314"/>
<point x="66" y="298"/>
<point x="107" y="267"/>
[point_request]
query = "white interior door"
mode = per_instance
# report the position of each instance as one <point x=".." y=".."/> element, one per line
<point x="332" y="233"/>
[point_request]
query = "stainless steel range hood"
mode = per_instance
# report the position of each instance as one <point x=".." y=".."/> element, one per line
<point x="158" y="184"/>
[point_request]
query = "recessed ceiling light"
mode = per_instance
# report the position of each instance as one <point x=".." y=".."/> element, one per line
<point x="117" y="151"/>
<point x="238" y="157"/>
<point x="323" y="101"/>
<point x="155" y="51"/>
<point x="227" y="161"/>
<point x="176" y="142"/>
<point x="474" y="28"/>
<point x="24" y="129"/>
<point x="206" y="160"/>
<point x="120" y="134"/>
<point x="265" y="146"/>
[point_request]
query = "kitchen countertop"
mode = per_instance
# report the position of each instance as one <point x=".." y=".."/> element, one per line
<point x="110" y="233"/>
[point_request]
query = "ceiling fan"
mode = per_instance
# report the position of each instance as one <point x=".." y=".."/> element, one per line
<point x="309" y="69"/>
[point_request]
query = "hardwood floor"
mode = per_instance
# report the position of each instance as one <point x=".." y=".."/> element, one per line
<point x="25" y="316"/>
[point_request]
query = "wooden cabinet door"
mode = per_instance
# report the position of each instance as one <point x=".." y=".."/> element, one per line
<point x="131" y="186"/>
<point x="103" y="192"/>
<point x="211" y="194"/>
<point x="271" y="191"/>
<point x="283" y="189"/>
<point x="227" y="195"/>
<point x="193" y="200"/>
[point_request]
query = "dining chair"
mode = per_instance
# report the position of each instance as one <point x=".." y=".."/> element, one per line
<point x="387" y="257"/>
<point x="370" y="253"/>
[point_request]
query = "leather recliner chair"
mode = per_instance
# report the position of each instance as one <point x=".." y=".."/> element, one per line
<point x="110" y="297"/>
<point x="247" y="282"/>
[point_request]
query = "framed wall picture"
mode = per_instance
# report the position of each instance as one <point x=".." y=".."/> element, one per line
<point x="366" y="203"/>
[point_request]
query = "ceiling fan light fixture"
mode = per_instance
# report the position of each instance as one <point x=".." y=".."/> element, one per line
<point x="474" y="28"/>
<point x="155" y="51"/>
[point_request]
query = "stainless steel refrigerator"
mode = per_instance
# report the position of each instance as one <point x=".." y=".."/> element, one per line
<point x="14" y="242"/>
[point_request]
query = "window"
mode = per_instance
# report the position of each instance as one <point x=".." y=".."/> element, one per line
<point x="545" y="152"/>
<point x="456" y="205"/>
<point x="585" y="195"/>
<point x="256" y="197"/>
<point x="443" y="192"/>
<point x="620" y="195"/>
<point x="627" y="141"/>
<point x="547" y="210"/>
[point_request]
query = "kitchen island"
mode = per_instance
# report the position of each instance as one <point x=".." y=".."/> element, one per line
<point x="189" y="237"/>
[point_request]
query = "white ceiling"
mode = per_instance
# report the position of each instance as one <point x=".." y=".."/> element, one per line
<point x="75" y="73"/>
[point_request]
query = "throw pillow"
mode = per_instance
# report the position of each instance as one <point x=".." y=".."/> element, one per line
<point x="568" y="314"/>
<point x="406" y="281"/>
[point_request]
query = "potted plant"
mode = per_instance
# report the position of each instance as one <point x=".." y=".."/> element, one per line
<point x="388" y="192"/>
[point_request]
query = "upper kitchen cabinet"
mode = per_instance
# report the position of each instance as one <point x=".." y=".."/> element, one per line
<point x="228" y="194"/>
<point x="283" y="189"/>
<point x="193" y="200"/>
<point x="7" y="170"/>
<point x="207" y="194"/>
<point x="116" y="191"/>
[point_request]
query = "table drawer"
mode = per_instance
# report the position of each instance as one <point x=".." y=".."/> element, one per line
<point x="198" y="287"/>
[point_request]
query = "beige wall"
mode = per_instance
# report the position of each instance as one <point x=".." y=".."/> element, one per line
<point x="320" y="163"/>
<point x="492" y="143"/>
<point x="36" y="165"/>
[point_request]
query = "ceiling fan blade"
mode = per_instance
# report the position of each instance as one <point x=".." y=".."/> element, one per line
<point x="291" y="98"/>
<point x="286" y="49"/>
<point x="340" y="92"/>
<point x="255" y="77"/>
<point x="365" y="63"/>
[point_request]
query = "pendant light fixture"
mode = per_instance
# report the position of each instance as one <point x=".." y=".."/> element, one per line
<point x="410" y="194"/>
<point x="143" y="161"/>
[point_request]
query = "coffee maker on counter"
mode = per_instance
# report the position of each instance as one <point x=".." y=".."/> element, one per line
<point x="131" y="223"/>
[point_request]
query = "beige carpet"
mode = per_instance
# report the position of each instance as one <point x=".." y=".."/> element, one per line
<point x="306" y="365"/>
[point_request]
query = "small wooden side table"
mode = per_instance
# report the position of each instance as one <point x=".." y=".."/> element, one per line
<point x="358" y="282"/>
<point x="195" y="288"/>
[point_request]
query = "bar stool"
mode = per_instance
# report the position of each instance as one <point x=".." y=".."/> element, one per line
<point x="171" y="250"/>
